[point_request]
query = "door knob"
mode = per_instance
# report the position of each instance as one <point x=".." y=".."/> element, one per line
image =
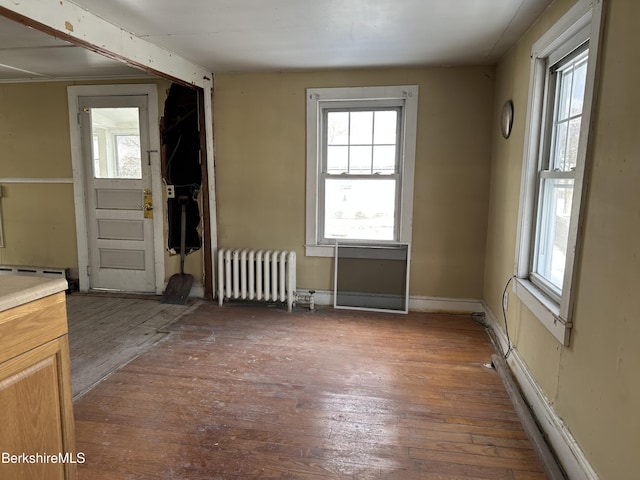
<point x="147" y="205"/>
<point x="147" y="208"/>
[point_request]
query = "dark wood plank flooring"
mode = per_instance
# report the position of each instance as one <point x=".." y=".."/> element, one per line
<point x="240" y="392"/>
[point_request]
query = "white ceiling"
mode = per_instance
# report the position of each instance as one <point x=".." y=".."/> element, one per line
<point x="27" y="55"/>
<point x="254" y="35"/>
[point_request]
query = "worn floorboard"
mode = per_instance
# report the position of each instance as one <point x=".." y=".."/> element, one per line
<point x="239" y="392"/>
<point x="107" y="331"/>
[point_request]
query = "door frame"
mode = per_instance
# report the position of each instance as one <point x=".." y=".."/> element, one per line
<point x="80" y="172"/>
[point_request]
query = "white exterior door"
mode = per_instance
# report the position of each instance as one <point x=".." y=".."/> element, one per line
<point x="118" y="192"/>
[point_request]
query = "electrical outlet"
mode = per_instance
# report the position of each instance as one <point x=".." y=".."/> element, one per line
<point x="171" y="191"/>
<point x="505" y="300"/>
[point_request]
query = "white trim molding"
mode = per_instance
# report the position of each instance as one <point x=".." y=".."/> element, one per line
<point x="208" y="89"/>
<point x="444" y="305"/>
<point x="581" y="23"/>
<point x="566" y="448"/>
<point x="70" y="22"/>
<point x="197" y="290"/>
<point x="545" y="310"/>
<point x="36" y="180"/>
<point x="79" y="173"/>
<point x="416" y="303"/>
<point x="318" y="99"/>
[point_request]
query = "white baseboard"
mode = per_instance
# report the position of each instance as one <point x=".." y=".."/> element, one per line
<point x="417" y="304"/>
<point x="320" y="297"/>
<point x="197" y="290"/>
<point x="445" y="305"/>
<point x="382" y="302"/>
<point x="571" y="457"/>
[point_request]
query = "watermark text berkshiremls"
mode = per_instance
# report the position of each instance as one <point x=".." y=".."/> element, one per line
<point x="28" y="458"/>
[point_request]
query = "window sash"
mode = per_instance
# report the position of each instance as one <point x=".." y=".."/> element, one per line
<point x="377" y="232"/>
<point x="552" y="234"/>
<point x="557" y="173"/>
<point x="350" y="146"/>
<point x="367" y="214"/>
<point x="559" y="116"/>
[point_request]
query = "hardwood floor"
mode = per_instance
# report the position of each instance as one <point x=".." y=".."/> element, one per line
<point x="107" y="331"/>
<point x="240" y="392"/>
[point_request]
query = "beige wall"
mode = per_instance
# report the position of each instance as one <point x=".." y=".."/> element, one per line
<point x="592" y="384"/>
<point x="260" y="142"/>
<point x="39" y="219"/>
<point x="259" y="122"/>
<point x="39" y="222"/>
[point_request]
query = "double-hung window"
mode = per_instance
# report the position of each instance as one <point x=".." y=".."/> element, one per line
<point x="360" y="162"/>
<point x="360" y="174"/>
<point x="557" y="173"/>
<point x="559" y="110"/>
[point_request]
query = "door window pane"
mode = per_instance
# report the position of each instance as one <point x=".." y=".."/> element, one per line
<point x="128" y="156"/>
<point x="116" y="143"/>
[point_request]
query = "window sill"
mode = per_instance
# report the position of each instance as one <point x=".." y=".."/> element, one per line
<point x="380" y="251"/>
<point x="544" y="309"/>
<point x="320" y="250"/>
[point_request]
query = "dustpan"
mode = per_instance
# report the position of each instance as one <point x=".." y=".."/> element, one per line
<point x="179" y="285"/>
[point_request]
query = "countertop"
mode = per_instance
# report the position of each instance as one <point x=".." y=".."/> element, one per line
<point x="16" y="290"/>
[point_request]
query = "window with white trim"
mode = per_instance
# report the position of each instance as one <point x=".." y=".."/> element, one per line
<point x="360" y="163"/>
<point x="559" y="112"/>
<point x="557" y="172"/>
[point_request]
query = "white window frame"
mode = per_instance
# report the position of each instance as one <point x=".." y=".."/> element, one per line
<point x="405" y="97"/>
<point x="581" y="23"/>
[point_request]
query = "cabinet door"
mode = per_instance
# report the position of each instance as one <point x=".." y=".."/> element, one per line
<point x="36" y="414"/>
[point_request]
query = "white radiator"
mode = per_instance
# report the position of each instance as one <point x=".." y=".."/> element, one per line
<point x="257" y="275"/>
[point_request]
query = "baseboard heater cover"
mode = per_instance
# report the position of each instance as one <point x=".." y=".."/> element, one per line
<point x="542" y="449"/>
<point x="40" y="271"/>
<point x="261" y="275"/>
